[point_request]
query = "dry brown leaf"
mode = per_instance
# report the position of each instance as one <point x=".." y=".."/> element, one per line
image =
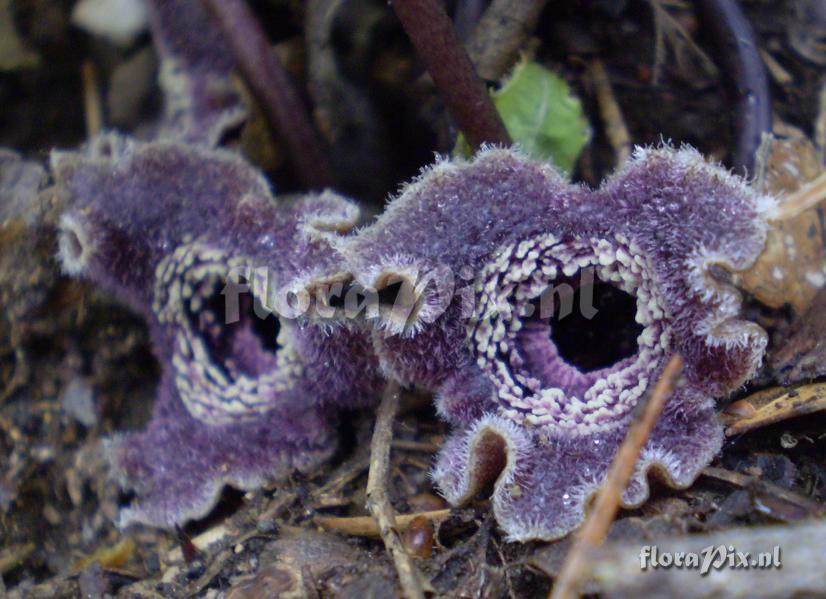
<point x="109" y="557"/>
<point x="776" y="404"/>
<point x="791" y="268"/>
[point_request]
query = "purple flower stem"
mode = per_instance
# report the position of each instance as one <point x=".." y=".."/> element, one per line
<point x="446" y="60"/>
<point x="737" y="49"/>
<point x="271" y="83"/>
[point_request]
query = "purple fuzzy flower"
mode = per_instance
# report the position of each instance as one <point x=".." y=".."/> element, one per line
<point x="193" y="240"/>
<point x="201" y="102"/>
<point x="541" y="397"/>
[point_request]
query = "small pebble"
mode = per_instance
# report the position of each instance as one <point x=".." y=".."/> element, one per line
<point x="418" y="538"/>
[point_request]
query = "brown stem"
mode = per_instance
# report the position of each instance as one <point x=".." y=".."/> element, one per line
<point x="447" y="62"/>
<point x="737" y="49"/>
<point x="271" y="83"/>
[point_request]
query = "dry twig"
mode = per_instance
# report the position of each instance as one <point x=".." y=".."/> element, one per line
<point x="780" y="75"/>
<point x="820" y="124"/>
<point x="774" y="405"/>
<point x="366" y="526"/>
<point x="92" y="105"/>
<point x="270" y="82"/>
<point x="378" y="503"/>
<point x="605" y="508"/>
<point x="668" y="32"/>
<point x="423" y="446"/>
<point x="615" y="128"/>
<point x="770" y="499"/>
<point x="806" y="197"/>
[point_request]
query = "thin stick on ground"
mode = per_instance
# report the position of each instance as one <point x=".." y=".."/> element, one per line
<point x="808" y="196"/>
<point x="270" y="82"/>
<point x="593" y="532"/>
<point x="820" y="124"/>
<point x="775" y="501"/>
<point x="92" y="104"/>
<point x="446" y="60"/>
<point x="378" y="503"/>
<point x="615" y="129"/>
<point x="366" y="526"/>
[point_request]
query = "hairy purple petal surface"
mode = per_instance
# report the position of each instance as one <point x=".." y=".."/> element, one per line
<point x="480" y="249"/>
<point x="193" y="239"/>
<point x="201" y="101"/>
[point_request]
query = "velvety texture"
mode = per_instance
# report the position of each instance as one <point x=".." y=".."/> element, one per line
<point x="193" y="240"/>
<point x="474" y="248"/>
<point x="201" y="102"/>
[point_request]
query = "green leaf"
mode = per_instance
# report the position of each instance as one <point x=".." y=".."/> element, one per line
<point x="541" y="116"/>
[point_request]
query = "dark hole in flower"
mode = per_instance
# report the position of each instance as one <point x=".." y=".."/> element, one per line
<point x="609" y="336"/>
<point x="491" y="457"/>
<point x="336" y="293"/>
<point x="401" y="299"/>
<point x="241" y="335"/>
<point x="390" y="293"/>
<point x="230" y="501"/>
<point x="266" y="328"/>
